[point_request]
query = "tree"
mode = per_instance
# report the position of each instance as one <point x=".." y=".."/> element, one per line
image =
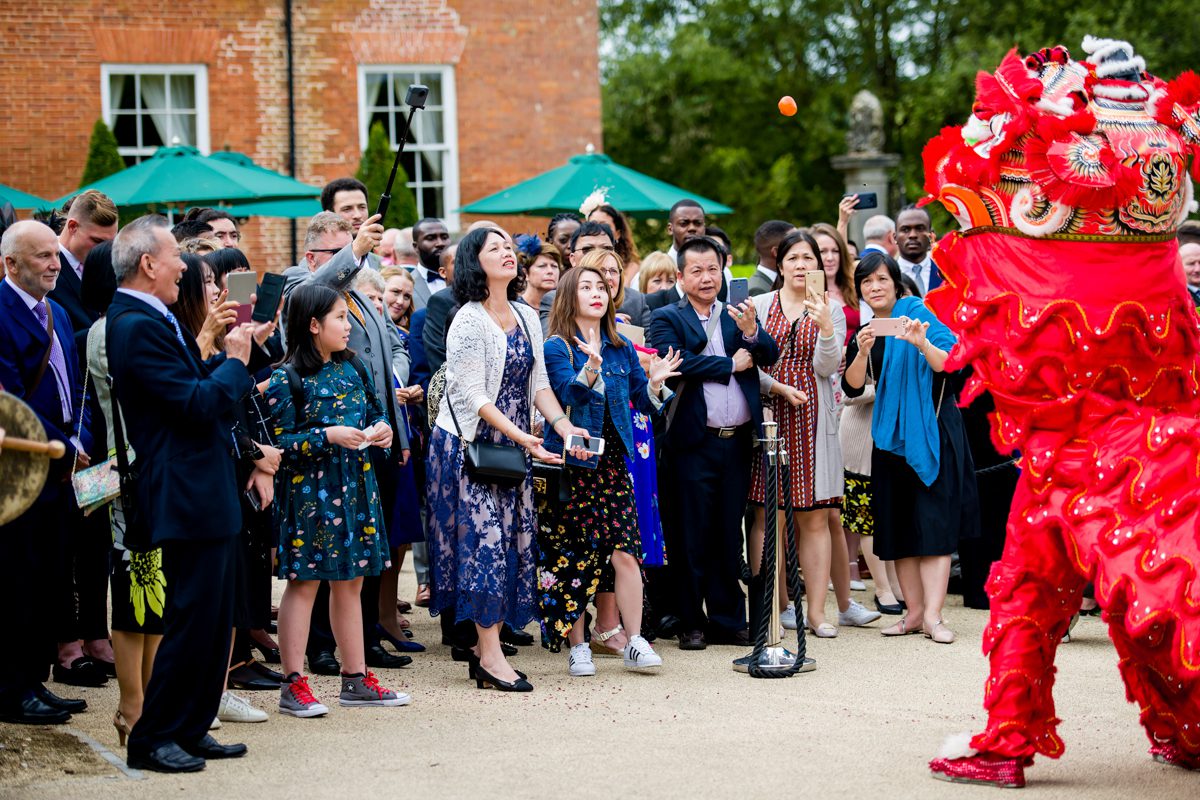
<point x="103" y="159"/>
<point x="373" y="171"/>
<point x="690" y="86"/>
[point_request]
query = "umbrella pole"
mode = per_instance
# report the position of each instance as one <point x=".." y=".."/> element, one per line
<point x="415" y="99"/>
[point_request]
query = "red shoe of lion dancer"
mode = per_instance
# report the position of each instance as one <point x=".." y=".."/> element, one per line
<point x="1067" y="294"/>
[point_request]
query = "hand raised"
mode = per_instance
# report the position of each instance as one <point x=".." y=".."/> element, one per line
<point x="237" y="343"/>
<point x="369" y="236"/>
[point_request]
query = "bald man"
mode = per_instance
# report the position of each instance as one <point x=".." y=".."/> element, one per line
<point x="1190" y="255"/>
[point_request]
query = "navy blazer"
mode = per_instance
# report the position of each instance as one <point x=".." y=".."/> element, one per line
<point x="178" y="413"/>
<point x="677" y="326"/>
<point x="68" y="293"/>
<point x="23" y="342"/>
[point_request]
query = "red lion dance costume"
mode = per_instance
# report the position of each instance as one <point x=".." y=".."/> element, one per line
<point x="1067" y="294"/>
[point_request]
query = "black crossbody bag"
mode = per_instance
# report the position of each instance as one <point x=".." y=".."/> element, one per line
<point x="498" y="464"/>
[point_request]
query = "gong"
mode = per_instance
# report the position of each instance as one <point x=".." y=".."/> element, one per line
<point x="24" y="457"/>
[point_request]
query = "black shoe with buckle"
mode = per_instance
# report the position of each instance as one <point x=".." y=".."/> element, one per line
<point x="322" y="662"/>
<point x="379" y="658"/>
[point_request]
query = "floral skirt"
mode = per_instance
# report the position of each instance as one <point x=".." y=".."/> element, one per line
<point x="856" y="505"/>
<point x="138" y="585"/>
<point x="600" y="517"/>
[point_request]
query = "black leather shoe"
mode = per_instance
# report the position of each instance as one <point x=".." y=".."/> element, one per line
<point x="26" y="708"/>
<point x="322" y="662"/>
<point x="168" y="757"/>
<point x="248" y="680"/>
<point x="886" y="608"/>
<point x="668" y="627"/>
<point x="692" y="640"/>
<point x="266" y="672"/>
<point x="379" y="658"/>
<point x="726" y="637"/>
<point x="513" y="636"/>
<point x="82" y="672"/>
<point x="208" y="747"/>
<point x="61" y="703"/>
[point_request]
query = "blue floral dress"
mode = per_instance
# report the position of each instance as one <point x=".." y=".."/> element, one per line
<point x="330" y="515"/>
<point x="483" y="555"/>
<point x="643" y="466"/>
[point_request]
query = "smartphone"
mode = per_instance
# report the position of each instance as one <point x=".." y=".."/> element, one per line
<point x="241" y="286"/>
<point x="889" y="326"/>
<point x="593" y="444"/>
<point x="739" y="291"/>
<point x="866" y="200"/>
<point x="269" y="294"/>
<point x="253" y="499"/>
<point x="814" y="284"/>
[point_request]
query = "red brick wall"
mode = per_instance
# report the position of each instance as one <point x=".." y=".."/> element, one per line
<point x="527" y="78"/>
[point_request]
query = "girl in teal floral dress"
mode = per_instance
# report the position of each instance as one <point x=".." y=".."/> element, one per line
<point x="330" y="515"/>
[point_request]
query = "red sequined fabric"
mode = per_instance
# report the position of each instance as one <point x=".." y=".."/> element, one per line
<point x="1067" y="295"/>
<point x="1008" y="773"/>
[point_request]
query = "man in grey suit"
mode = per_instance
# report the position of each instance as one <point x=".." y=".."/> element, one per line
<point x="766" y="239"/>
<point x="431" y="238"/>
<point x="331" y="258"/>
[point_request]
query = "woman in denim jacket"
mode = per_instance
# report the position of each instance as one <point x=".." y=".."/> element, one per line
<point x="595" y="373"/>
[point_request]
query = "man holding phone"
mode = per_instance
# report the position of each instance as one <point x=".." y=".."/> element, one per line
<point x="708" y="445"/>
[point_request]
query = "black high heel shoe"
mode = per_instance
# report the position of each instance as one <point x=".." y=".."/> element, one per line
<point x="485" y="680"/>
<point x="462" y="654"/>
<point x="401" y="645"/>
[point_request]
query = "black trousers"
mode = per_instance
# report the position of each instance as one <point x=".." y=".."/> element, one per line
<point x="35" y="547"/>
<point x="320" y="631"/>
<point x="189" y="669"/>
<point x="710" y="485"/>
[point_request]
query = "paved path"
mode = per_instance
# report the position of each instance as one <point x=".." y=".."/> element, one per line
<point x="862" y="725"/>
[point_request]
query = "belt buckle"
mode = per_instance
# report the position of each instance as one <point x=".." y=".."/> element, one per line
<point x="726" y="433"/>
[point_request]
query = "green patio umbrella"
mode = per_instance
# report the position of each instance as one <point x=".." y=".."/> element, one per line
<point x="287" y="209"/>
<point x="178" y="176"/>
<point x="565" y="188"/>
<point x="22" y="200"/>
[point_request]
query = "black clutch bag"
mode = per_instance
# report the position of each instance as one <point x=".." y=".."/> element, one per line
<point x="137" y="535"/>
<point x="550" y="484"/>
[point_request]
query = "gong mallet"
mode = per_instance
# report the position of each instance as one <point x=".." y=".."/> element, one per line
<point x="414" y="99"/>
<point x="53" y="449"/>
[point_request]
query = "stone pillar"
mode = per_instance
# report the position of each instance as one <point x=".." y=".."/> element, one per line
<point x="865" y="166"/>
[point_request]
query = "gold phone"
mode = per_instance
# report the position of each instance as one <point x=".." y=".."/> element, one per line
<point x="814" y="284"/>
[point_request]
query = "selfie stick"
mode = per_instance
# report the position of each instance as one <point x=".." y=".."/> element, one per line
<point x="415" y="99"/>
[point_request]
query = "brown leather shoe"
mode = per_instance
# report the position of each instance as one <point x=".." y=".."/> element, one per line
<point x="725" y="637"/>
<point x="692" y="640"/>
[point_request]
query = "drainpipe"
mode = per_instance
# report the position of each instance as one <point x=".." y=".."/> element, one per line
<point x="291" y="110"/>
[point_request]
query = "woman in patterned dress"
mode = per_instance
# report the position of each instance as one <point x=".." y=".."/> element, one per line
<point x="810" y="331"/>
<point x="595" y="371"/>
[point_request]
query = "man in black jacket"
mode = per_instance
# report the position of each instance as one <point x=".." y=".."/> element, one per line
<point x="178" y="412"/>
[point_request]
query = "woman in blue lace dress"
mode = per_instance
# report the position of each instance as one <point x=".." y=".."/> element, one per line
<point x="481" y="534"/>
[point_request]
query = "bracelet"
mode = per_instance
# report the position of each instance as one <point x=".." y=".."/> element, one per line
<point x="554" y="421"/>
<point x="592" y="370"/>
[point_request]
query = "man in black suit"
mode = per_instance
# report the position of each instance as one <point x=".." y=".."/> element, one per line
<point x="914" y="239"/>
<point x="430" y="238"/>
<point x="38" y="364"/>
<point x="82" y="591"/>
<point x="709" y="444"/>
<point x="178" y="412"/>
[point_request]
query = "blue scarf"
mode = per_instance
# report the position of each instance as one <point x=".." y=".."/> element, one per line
<point x="905" y="422"/>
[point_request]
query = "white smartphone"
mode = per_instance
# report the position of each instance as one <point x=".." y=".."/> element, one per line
<point x="593" y="445"/>
<point x="887" y="326"/>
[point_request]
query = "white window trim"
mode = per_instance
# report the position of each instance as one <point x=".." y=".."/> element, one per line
<point x="450" y="187"/>
<point x="198" y="71"/>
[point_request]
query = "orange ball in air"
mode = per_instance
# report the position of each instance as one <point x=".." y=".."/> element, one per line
<point x="787" y="106"/>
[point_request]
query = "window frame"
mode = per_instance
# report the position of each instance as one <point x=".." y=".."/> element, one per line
<point x="449" y="148"/>
<point x="199" y="73"/>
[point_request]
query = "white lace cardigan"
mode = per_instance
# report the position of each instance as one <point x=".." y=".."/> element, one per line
<point x="476" y="350"/>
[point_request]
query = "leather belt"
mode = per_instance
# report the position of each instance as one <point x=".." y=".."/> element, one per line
<point x="724" y="433"/>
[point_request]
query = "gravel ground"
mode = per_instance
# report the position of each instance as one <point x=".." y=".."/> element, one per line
<point x="864" y="724"/>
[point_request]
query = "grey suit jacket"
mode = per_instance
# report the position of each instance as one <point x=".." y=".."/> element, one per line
<point x="759" y="284"/>
<point x="421" y="289"/>
<point x="380" y="352"/>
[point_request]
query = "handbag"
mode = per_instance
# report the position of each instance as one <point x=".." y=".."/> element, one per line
<point x="137" y="536"/>
<point x="488" y="462"/>
<point x="96" y="486"/>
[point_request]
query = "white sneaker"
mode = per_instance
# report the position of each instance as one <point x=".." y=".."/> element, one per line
<point x="579" y="661"/>
<point x="237" y="709"/>
<point x="857" y="586"/>
<point x="857" y="616"/>
<point x="639" y="654"/>
<point x="787" y="618"/>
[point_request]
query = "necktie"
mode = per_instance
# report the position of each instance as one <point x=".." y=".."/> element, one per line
<point x="58" y="363"/>
<point x="917" y="269"/>
<point x="178" y="330"/>
<point x="355" y="310"/>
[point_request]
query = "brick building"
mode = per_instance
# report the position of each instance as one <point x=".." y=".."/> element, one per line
<point x="514" y="89"/>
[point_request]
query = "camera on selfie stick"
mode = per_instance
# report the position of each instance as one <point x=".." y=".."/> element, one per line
<point x="415" y="99"/>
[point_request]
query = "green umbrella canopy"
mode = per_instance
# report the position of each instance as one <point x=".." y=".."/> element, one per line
<point x="180" y="175"/>
<point x="21" y="200"/>
<point x="565" y="188"/>
<point x="287" y="209"/>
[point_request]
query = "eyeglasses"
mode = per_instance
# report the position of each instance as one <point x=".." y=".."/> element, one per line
<point x="587" y="248"/>
<point x="611" y="273"/>
<point x="330" y="250"/>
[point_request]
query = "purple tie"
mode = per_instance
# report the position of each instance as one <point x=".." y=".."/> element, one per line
<point x="58" y="364"/>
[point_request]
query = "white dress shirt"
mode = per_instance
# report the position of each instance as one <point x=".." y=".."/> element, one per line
<point x="725" y="404"/>
<point x="433" y="280"/>
<point x="919" y="272"/>
<point x="75" y="263"/>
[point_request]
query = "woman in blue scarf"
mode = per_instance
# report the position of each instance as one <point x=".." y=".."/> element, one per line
<point x="925" y="498"/>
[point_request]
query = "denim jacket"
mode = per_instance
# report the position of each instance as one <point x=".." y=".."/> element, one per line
<point x="621" y="379"/>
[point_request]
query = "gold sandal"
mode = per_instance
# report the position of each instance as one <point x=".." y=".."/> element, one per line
<point x="598" y="639"/>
